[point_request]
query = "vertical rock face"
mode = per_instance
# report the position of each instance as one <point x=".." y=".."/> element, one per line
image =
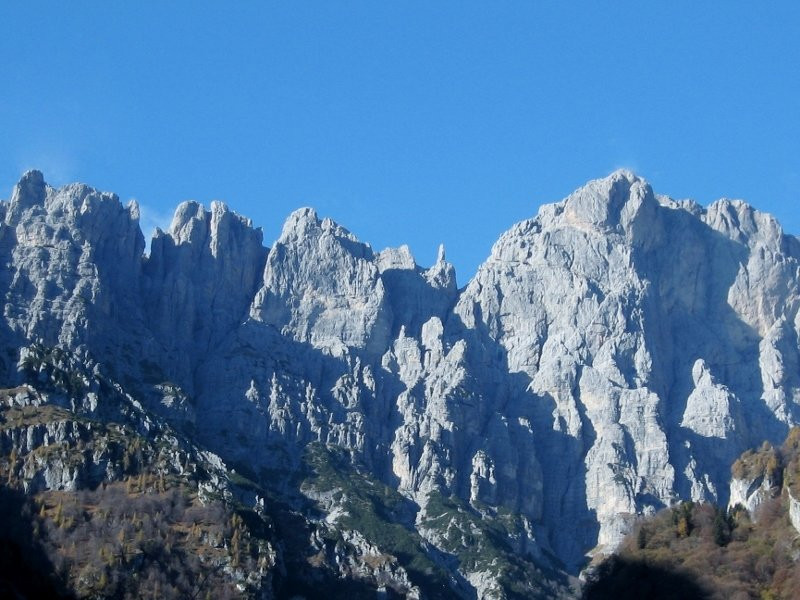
<point x="613" y="354"/>
<point x="72" y="261"/>
<point x="561" y="297"/>
<point x="199" y="281"/>
<point x="322" y="287"/>
<point x="756" y="477"/>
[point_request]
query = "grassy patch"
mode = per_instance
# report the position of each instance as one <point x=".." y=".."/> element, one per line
<point x="375" y="510"/>
<point x="480" y="540"/>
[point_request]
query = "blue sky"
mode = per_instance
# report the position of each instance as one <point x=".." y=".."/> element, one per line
<point x="412" y="122"/>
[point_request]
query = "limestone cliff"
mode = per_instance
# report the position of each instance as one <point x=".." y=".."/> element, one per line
<point x="613" y="355"/>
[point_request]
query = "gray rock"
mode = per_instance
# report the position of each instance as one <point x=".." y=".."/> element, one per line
<point x="794" y="511"/>
<point x="612" y="356"/>
<point x="199" y="281"/>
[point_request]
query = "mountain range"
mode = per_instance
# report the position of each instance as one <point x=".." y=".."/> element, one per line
<point x="612" y="356"/>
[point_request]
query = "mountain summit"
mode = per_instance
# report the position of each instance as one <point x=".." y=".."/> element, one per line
<point x="612" y="356"/>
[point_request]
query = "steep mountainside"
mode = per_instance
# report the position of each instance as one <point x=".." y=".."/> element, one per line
<point x="611" y="357"/>
<point x="748" y="550"/>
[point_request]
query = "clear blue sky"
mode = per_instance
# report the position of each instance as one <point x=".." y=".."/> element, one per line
<point x="407" y="122"/>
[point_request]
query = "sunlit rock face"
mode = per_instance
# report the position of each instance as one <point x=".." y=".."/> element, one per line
<point x="611" y="356"/>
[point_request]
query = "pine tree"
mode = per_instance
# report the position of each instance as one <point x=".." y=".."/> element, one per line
<point x="721" y="528"/>
<point x="641" y="538"/>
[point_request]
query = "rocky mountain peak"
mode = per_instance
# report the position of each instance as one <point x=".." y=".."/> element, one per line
<point x="321" y="285"/>
<point x="609" y="204"/>
<point x="442" y="274"/>
<point x="133" y="209"/>
<point x="30" y="191"/>
<point x="441" y="256"/>
<point x="742" y="223"/>
<point x="396" y="258"/>
<point x="298" y="222"/>
<point x="186" y="220"/>
<point x="30" y="185"/>
<point x="304" y="226"/>
<point x="200" y="278"/>
<point x="613" y="354"/>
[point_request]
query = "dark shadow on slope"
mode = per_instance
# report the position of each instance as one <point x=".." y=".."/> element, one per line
<point x="564" y="480"/>
<point x="303" y="573"/>
<point x="249" y="438"/>
<point x="688" y="317"/>
<point x="565" y="485"/>
<point x="311" y="553"/>
<point x="25" y="570"/>
<point x="10" y="340"/>
<point x="239" y="429"/>
<point x="185" y="268"/>
<point x="414" y="300"/>
<point x="628" y="579"/>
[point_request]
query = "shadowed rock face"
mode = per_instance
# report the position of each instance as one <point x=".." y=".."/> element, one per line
<point x="612" y="355"/>
<point x="199" y="281"/>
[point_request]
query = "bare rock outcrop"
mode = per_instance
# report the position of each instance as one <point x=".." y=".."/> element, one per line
<point x="613" y="355"/>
